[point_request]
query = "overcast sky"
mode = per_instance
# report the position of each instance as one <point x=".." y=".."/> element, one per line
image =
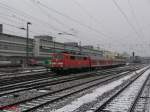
<point x="117" y="25"/>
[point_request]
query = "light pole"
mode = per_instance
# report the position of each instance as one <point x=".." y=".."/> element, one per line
<point x="80" y="47"/>
<point x="27" y="42"/>
<point x="54" y="44"/>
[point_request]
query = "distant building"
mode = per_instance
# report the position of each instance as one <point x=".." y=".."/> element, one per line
<point x="110" y="54"/>
<point x="88" y="46"/>
<point x="71" y="43"/>
<point x="44" y="37"/>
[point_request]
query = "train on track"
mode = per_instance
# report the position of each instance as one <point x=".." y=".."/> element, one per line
<point x="68" y="62"/>
<point x="61" y="62"/>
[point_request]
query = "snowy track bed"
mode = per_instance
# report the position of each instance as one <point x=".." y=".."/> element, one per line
<point x="40" y="99"/>
<point x="61" y="92"/>
<point x="88" y="101"/>
<point x="34" y="99"/>
<point x="143" y="100"/>
<point x="40" y="87"/>
<point x="126" y="98"/>
<point x="61" y="96"/>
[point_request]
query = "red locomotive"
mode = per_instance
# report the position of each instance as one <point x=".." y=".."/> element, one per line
<point x="67" y="62"/>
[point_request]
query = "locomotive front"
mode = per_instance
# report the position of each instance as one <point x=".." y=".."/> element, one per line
<point x="57" y="61"/>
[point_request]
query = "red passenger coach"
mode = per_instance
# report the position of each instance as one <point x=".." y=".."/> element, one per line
<point x="65" y="61"/>
<point x="100" y="63"/>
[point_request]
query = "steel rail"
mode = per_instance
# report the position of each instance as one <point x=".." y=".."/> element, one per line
<point x="45" y="83"/>
<point x="72" y="93"/>
<point x="53" y="92"/>
<point x="133" y="105"/>
<point x="29" y="84"/>
<point x="100" y="108"/>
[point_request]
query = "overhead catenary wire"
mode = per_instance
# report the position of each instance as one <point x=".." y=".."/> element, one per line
<point x="135" y="18"/>
<point x="13" y="10"/>
<point x="125" y="17"/>
<point x="57" y="21"/>
<point x="37" y="19"/>
<point x="14" y="26"/>
<point x="97" y="21"/>
<point x="9" y="16"/>
<point x="28" y="17"/>
<point x="46" y="7"/>
<point x="8" y="19"/>
<point x="49" y="15"/>
<point x="132" y="11"/>
<point x="18" y="27"/>
<point x="86" y="12"/>
<point x="72" y="19"/>
<point x="82" y="8"/>
<point x="46" y="12"/>
<point x="23" y="19"/>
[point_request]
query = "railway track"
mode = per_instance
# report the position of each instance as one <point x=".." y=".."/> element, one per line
<point x="40" y="83"/>
<point x="126" y="98"/>
<point x="28" y="76"/>
<point x="138" y="105"/>
<point x="70" y="89"/>
<point x="8" y="89"/>
<point x="142" y="100"/>
<point x="37" y="78"/>
<point x="22" y="72"/>
<point x="25" y="77"/>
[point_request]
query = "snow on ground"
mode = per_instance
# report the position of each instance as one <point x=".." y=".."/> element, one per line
<point x="147" y="107"/>
<point x="94" y="94"/>
<point x="123" y="102"/>
<point x="26" y="71"/>
<point x="39" y="70"/>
